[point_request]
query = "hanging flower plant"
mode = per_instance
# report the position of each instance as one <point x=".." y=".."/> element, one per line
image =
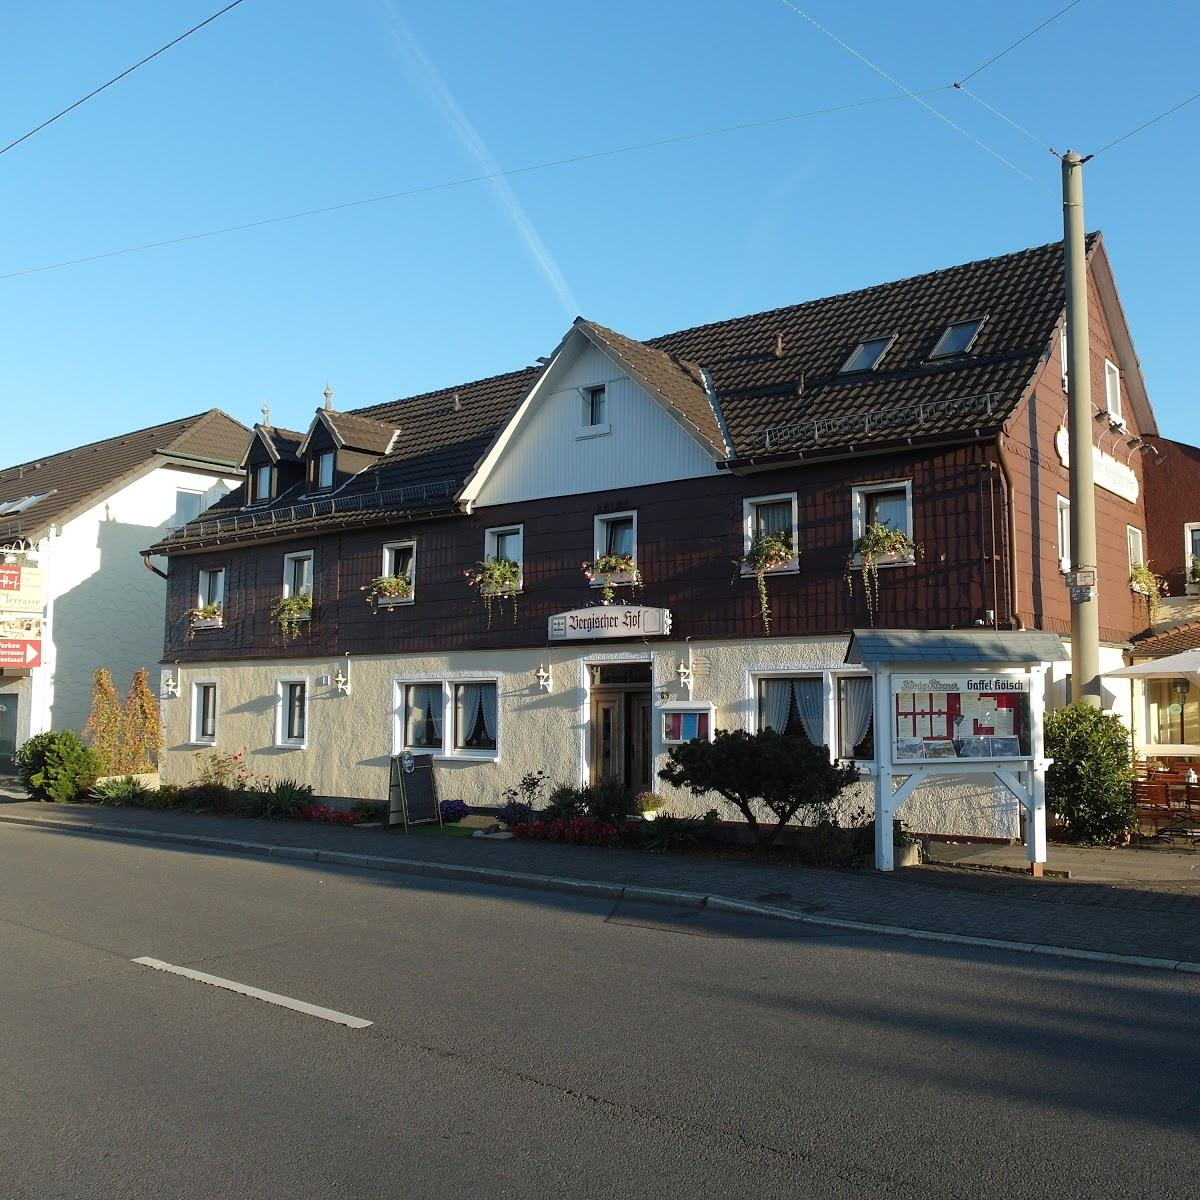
<point x="289" y="611"/>
<point x="497" y="580"/>
<point x="387" y="587"/>
<point x="613" y="569"/>
<point x="768" y="552"/>
<point x="879" y="543"/>
<point x="1144" y="581"/>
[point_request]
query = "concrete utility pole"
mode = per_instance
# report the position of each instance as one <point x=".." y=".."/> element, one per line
<point x="1085" y="615"/>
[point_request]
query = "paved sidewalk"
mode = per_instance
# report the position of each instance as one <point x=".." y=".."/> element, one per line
<point x="1128" y="865"/>
<point x="1160" y="921"/>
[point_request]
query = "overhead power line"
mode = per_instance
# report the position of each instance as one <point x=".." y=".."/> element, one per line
<point x="914" y="96"/>
<point x="1147" y="124"/>
<point x="457" y="183"/>
<point x="1033" y="137"/>
<point x="117" y="78"/>
<point x="1024" y="38"/>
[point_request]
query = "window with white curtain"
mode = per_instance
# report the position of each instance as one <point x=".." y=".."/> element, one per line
<point x="855" y="714"/>
<point x="475" y="716"/>
<point x="793" y="705"/>
<point x="424" y="709"/>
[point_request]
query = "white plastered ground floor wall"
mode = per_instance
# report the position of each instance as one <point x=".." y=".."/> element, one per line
<point x="351" y="737"/>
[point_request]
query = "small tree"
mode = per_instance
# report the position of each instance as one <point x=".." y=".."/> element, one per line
<point x="1090" y="783"/>
<point x="105" y="722"/>
<point x="142" y="727"/>
<point x="786" y="774"/>
<point x="56" y="766"/>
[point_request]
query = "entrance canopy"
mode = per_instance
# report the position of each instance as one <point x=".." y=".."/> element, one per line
<point x="1171" y="667"/>
<point x="962" y="647"/>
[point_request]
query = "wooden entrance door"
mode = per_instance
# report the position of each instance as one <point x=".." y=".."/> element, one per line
<point x="621" y="737"/>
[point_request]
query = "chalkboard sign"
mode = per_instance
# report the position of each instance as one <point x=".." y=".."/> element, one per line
<point x="412" y="791"/>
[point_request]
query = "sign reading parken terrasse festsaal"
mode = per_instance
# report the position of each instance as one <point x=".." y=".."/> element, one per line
<point x="610" y="621"/>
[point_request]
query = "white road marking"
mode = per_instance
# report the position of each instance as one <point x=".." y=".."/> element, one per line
<point x="313" y="1010"/>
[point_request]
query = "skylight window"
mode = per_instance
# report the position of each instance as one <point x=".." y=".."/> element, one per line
<point x="958" y="339"/>
<point x="867" y="355"/>
<point x="9" y="507"/>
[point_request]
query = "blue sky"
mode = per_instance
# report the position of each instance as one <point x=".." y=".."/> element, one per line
<point x="284" y="106"/>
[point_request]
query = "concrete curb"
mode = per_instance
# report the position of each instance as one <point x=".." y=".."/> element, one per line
<point x="595" y="888"/>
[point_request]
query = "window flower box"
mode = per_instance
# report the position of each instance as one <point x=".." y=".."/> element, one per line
<point x="611" y="571"/>
<point x="207" y="616"/>
<point x="879" y="546"/>
<point x="497" y="581"/>
<point x="289" y="611"/>
<point x="768" y="552"/>
<point x="388" y="591"/>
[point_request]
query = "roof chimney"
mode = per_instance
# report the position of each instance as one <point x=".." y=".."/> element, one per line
<point x="328" y="394"/>
<point x="457" y="402"/>
<point x="779" y="345"/>
<point x="266" y="415"/>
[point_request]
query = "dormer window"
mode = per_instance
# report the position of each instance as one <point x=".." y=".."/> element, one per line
<point x="866" y="355"/>
<point x="260" y="484"/>
<point x="323" y="471"/>
<point x="958" y="338"/>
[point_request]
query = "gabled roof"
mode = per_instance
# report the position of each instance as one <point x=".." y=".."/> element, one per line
<point x="777" y="374"/>
<point x="676" y="381"/>
<point x="351" y="432"/>
<point x="765" y="387"/>
<point x="72" y="481"/>
<point x="283" y="445"/>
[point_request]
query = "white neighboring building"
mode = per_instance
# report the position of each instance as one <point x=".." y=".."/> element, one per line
<point x="81" y="519"/>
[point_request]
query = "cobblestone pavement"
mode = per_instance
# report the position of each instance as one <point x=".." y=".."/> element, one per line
<point x="1157" y="920"/>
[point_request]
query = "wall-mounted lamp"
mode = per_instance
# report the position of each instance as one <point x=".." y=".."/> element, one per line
<point x="544" y="679"/>
<point x="170" y="686"/>
<point x="341" y="683"/>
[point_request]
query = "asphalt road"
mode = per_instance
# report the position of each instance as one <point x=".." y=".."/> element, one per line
<point x="533" y="1045"/>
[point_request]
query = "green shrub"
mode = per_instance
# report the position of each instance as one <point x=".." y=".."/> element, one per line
<point x="167" y="796"/>
<point x="608" y="802"/>
<point x="565" y="804"/>
<point x="279" y="802"/>
<point x="1090" y="783"/>
<point x="669" y="834"/>
<point x="208" y="797"/>
<point x="57" y="766"/>
<point x="788" y="775"/>
<point x="125" y="789"/>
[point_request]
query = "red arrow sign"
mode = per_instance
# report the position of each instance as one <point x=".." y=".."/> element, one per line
<point x="20" y="654"/>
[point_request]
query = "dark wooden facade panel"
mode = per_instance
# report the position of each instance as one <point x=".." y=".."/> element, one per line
<point x="1172" y="502"/>
<point x="689" y="536"/>
<point x="1039" y="478"/>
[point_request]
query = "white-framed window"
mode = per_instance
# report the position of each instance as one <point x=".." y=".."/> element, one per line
<point x="1191" y="547"/>
<point x="794" y="705"/>
<point x="298" y="574"/>
<point x="506" y="543"/>
<point x="686" y="721"/>
<point x="476" y="716"/>
<point x="204" y="712"/>
<point x="1136" y="542"/>
<point x="291" y="719"/>
<point x="866" y="355"/>
<point x="400" y="562"/>
<point x="210" y="587"/>
<point x="323" y="470"/>
<point x="887" y="503"/>
<point x="958" y="338"/>
<point x="595" y="405"/>
<point x="457" y="717"/>
<point x="856" y="717"/>
<point x="1064" y="534"/>
<point x="260" y="484"/>
<point x="188" y="505"/>
<point x="1112" y="391"/>
<point x="422" y="717"/>
<point x="615" y="533"/>
<point x="763" y="515"/>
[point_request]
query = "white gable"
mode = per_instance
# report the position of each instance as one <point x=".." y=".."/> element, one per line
<point x="552" y="453"/>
